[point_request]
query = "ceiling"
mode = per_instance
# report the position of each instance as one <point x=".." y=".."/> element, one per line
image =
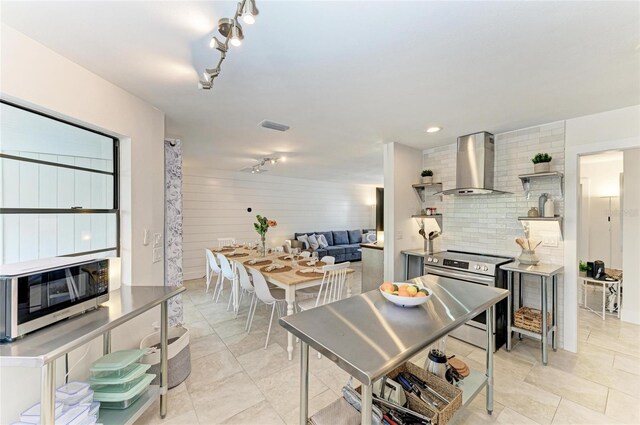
<point x="350" y="76"/>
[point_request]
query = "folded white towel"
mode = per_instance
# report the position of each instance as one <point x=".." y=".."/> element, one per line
<point x="289" y="257"/>
<point x="306" y="271"/>
<point x="274" y="267"/>
<point x="253" y="261"/>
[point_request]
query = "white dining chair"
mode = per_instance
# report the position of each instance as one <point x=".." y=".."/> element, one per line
<point x="263" y="294"/>
<point x="278" y="249"/>
<point x="222" y="242"/>
<point x="212" y="268"/>
<point x="332" y="288"/>
<point x="246" y="287"/>
<point x="227" y="273"/>
<point x="328" y="259"/>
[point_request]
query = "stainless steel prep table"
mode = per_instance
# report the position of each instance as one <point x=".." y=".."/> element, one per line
<point x="415" y="256"/>
<point x="367" y="336"/>
<point x="544" y="271"/>
<point x="43" y="347"/>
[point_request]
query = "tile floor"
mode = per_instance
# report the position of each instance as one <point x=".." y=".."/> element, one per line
<point x="234" y="380"/>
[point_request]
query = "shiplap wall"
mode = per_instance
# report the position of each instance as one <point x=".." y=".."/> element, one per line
<point x="489" y="224"/>
<point x="215" y="205"/>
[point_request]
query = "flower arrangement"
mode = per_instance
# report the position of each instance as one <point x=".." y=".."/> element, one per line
<point x="262" y="226"/>
<point x="541" y="163"/>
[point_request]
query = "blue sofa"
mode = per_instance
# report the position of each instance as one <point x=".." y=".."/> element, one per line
<point x="344" y="245"/>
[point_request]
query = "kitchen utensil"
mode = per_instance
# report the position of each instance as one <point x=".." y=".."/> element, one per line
<point x="537" y="245"/>
<point x="520" y="242"/>
<point x="427" y="388"/>
<point x="400" y="408"/>
<point x="389" y="389"/>
<point x="533" y="212"/>
<point x="436" y="362"/>
<point x="413" y="388"/>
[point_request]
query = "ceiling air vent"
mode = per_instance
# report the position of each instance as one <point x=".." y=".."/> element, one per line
<point x="274" y="125"/>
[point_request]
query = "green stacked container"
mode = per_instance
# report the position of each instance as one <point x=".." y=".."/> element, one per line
<point x="118" y="380"/>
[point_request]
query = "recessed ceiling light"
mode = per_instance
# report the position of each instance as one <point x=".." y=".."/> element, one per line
<point x="433" y="129"/>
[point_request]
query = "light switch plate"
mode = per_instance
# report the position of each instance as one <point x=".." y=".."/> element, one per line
<point x="157" y="255"/>
<point x="157" y="239"/>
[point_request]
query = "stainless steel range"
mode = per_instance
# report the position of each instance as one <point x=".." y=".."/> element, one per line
<point x="480" y="269"/>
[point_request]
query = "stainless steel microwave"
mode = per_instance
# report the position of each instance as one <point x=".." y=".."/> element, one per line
<point x="39" y="293"/>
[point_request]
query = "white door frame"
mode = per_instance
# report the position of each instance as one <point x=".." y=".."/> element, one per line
<point x="572" y="186"/>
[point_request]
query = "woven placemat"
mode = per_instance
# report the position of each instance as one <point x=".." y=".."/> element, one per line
<point x="313" y="274"/>
<point x="221" y="250"/>
<point x="281" y="270"/>
<point x="238" y="255"/>
<point x="258" y="263"/>
<point x="317" y="264"/>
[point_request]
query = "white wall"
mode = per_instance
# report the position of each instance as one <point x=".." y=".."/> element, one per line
<point x="617" y="129"/>
<point x="402" y="166"/>
<point x="37" y="77"/>
<point x="489" y="223"/>
<point x="631" y="240"/>
<point x="215" y="205"/>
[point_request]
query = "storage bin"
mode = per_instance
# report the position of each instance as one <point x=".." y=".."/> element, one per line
<point x="109" y="398"/>
<point x="86" y="399"/>
<point x="32" y="414"/>
<point x="134" y="371"/>
<point x="179" y="355"/>
<point x="117" y="388"/>
<point x="116" y="364"/>
<point x="94" y="408"/>
<point x="530" y="319"/>
<point x="74" y="416"/>
<point x="72" y="392"/>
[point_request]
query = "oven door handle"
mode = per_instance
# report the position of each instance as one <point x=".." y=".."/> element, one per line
<point x="474" y="278"/>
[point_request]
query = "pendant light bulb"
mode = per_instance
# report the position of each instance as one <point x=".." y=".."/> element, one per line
<point x="249" y="12"/>
<point x="235" y="39"/>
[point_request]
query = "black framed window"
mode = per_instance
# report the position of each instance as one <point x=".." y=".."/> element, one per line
<point x="59" y="187"/>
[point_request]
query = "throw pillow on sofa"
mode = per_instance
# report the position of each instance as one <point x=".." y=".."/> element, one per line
<point x="305" y="240"/>
<point x="340" y="237"/>
<point x="322" y="241"/>
<point x="313" y="241"/>
<point x="355" y="236"/>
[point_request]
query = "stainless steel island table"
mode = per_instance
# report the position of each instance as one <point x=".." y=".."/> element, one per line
<point x="41" y="348"/>
<point x="367" y="336"/>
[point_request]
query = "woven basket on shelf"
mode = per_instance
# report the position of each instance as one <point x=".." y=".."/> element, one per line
<point x="530" y="319"/>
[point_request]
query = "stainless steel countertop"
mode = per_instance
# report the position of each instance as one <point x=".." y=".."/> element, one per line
<point x="367" y="336"/>
<point x="540" y="269"/>
<point x="414" y="252"/>
<point x="45" y="345"/>
<point x="379" y="246"/>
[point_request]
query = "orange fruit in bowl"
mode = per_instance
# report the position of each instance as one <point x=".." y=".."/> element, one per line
<point x="402" y="291"/>
<point x="420" y="295"/>
<point x="387" y="286"/>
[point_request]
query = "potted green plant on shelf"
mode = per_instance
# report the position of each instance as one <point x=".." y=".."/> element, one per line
<point x="541" y="163"/>
<point x="427" y="176"/>
<point x="582" y="267"/>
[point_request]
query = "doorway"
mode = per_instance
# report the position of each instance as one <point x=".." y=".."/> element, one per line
<point x="600" y="235"/>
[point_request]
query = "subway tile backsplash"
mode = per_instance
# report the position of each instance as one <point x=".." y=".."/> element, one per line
<point x="489" y="223"/>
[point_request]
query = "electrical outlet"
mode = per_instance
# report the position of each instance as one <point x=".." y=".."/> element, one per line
<point x="157" y="255"/>
<point x="549" y="239"/>
<point x="157" y="240"/>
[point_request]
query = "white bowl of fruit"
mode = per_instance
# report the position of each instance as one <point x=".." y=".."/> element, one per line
<point x="405" y="294"/>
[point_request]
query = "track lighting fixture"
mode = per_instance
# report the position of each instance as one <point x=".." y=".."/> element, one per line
<point x="232" y="32"/>
<point x="249" y="12"/>
<point x="268" y="160"/>
<point x="235" y="39"/>
<point x="217" y="44"/>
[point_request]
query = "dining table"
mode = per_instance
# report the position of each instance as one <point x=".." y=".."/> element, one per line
<point x="290" y="280"/>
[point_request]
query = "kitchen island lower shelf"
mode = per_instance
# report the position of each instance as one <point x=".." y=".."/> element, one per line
<point x="368" y="337"/>
<point x="132" y="413"/>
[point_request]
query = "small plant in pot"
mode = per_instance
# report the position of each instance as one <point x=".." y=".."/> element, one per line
<point x="541" y="163"/>
<point x="427" y="176"/>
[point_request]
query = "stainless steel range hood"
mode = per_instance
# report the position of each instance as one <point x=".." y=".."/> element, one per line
<point x="474" y="166"/>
